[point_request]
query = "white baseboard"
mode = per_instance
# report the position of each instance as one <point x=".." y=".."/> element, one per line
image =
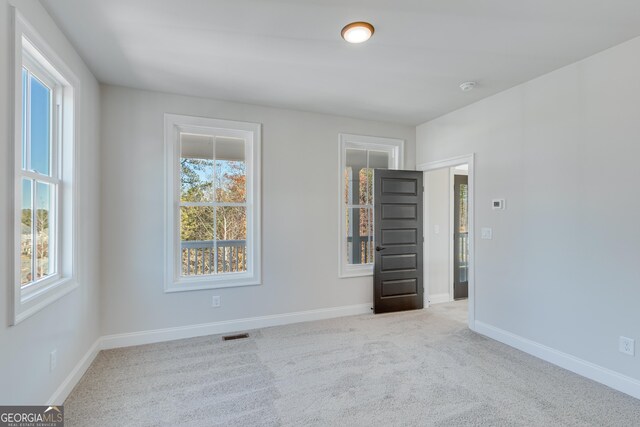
<point x="63" y="391"/>
<point x="439" y="298"/>
<point x="226" y="326"/>
<point x="613" y="379"/>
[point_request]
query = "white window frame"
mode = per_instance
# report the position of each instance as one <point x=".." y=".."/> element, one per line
<point x="395" y="148"/>
<point x="31" y="51"/>
<point x="251" y="134"/>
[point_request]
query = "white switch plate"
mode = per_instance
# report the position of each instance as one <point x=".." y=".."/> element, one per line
<point x="486" y="233"/>
<point x="498" y="204"/>
<point x="215" y="301"/>
<point x="436" y="229"/>
<point x="627" y="346"/>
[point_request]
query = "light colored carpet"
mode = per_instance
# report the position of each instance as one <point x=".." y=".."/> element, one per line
<point x="404" y="369"/>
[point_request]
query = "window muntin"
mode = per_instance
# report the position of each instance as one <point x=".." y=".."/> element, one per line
<point x="213" y="195"/>
<point x="359" y="156"/>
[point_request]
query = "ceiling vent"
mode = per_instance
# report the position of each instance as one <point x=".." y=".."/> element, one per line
<point x="235" y="337"/>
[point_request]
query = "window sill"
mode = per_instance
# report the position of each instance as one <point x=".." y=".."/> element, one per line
<point x="202" y="283"/>
<point x="356" y="271"/>
<point x="32" y="302"/>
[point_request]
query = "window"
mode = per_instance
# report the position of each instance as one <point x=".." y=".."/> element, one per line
<point x="359" y="156"/>
<point x="213" y="203"/>
<point x="44" y="224"/>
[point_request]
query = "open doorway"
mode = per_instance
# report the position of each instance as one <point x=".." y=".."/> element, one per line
<point x="448" y="233"/>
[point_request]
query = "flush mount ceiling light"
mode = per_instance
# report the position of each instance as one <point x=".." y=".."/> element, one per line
<point x="357" y="32"/>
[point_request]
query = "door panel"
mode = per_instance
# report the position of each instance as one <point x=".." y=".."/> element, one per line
<point x="392" y="288"/>
<point x="399" y="212"/>
<point x="398" y="262"/>
<point x="398" y="237"/>
<point x="397" y="281"/>
<point x="399" y="186"/>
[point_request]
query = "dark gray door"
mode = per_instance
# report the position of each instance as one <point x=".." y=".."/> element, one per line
<point x="460" y="237"/>
<point x="397" y="277"/>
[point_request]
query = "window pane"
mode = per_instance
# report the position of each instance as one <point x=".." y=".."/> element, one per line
<point x="463" y="208"/>
<point x="196" y="168"/>
<point x="25" y="103"/>
<point x="196" y="235"/>
<point x="378" y="160"/>
<point x="230" y="180"/>
<point x="196" y="223"/>
<point x="366" y="228"/>
<point x="375" y="160"/>
<point x="231" y="232"/>
<point x="462" y="257"/>
<point x="347" y="185"/>
<point x="40" y="126"/>
<point x="44" y="235"/>
<point x="366" y="187"/>
<point x="356" y="160"/>
<point x="26" y="235"/>
<point x="359" y="238"/>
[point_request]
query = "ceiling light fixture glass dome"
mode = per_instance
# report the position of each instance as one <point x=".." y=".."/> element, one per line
<point x="357" y="32"/>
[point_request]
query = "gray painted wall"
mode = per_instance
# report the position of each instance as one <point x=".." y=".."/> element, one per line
<point x="299" y="214"/>
<point x="563" y="150"/>
<point x="70" y="324"/>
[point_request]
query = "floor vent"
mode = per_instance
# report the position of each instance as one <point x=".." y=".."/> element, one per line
<point x="235" y="337"/>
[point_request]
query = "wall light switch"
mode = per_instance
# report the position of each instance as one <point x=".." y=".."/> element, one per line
<point x="497" y="204"/>
<point x="436" y="229"/>
<point x="486" y="233"/>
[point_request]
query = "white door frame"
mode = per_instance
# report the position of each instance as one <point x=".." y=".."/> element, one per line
<point x="449" y="163"/>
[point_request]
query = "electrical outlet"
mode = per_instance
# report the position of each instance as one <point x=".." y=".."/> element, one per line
<point x="53" y="360"/>
<point x="627" y="346"/>
<point x="215" y="301"/>
<point x="486" y="233"/>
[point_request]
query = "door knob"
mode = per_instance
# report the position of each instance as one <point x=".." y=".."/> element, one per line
<point x="380" y="248"/>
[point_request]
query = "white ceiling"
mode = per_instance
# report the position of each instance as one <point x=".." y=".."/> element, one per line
<point x="288" y="53"/>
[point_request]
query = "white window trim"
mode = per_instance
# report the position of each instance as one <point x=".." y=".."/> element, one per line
<point x="251" y="133"/>
<point x="28" y="43"/>
<point x="396" y="149"/>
